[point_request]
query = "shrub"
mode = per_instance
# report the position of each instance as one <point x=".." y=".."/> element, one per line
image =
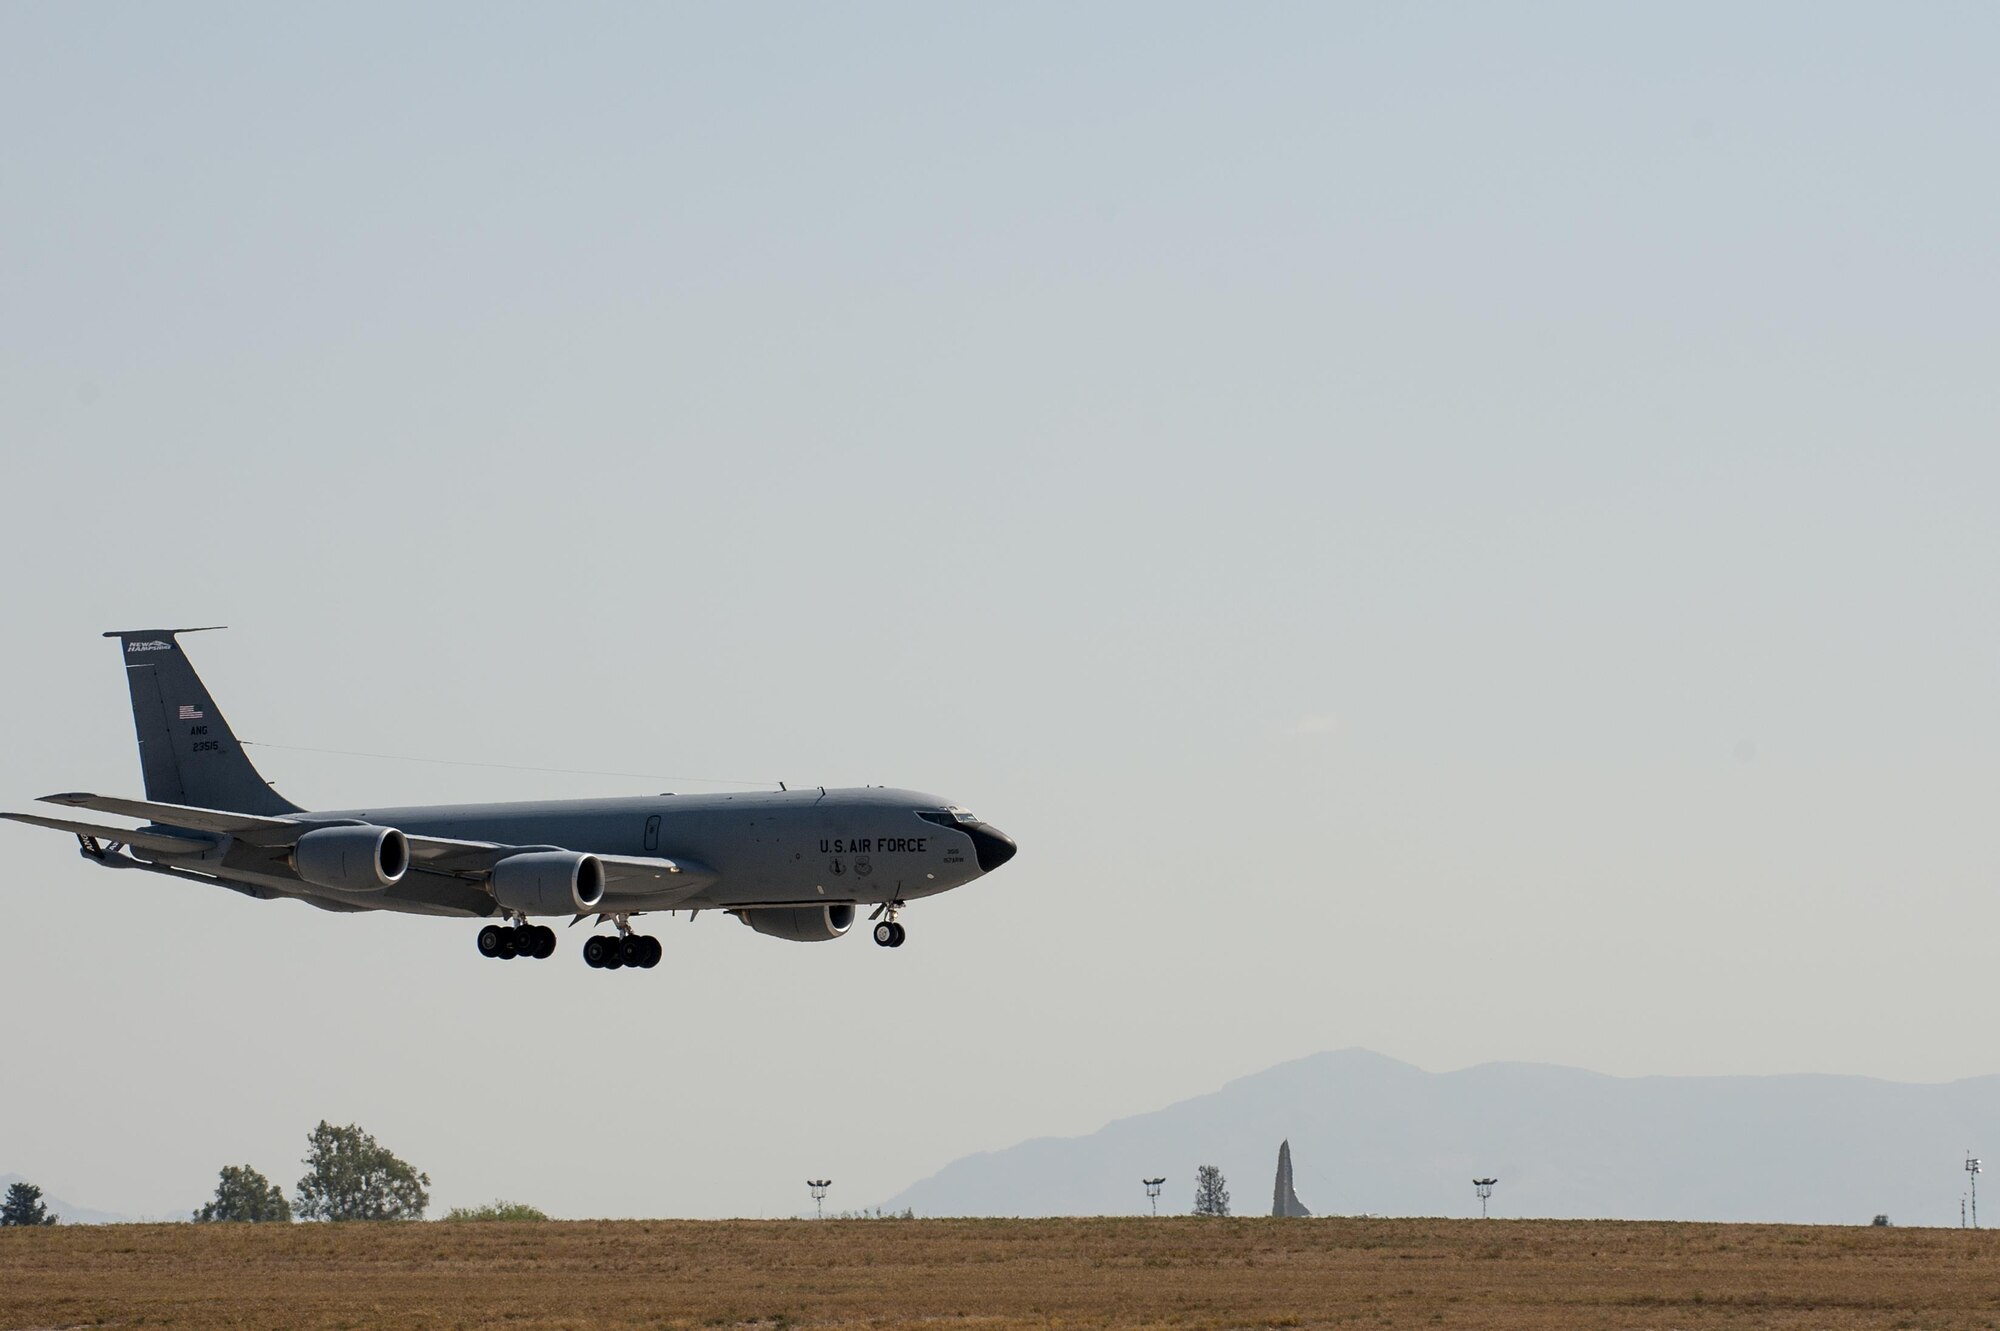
<point x="497" y="1211"/>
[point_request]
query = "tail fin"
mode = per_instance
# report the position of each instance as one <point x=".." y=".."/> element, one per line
<point x="187" y="752"/>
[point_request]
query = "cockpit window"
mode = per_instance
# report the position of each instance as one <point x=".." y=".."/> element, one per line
<point x="948" y="817"/>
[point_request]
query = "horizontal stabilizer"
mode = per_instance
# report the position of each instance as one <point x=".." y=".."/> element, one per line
<point x="133" y="633"/>
<point x="244" y="826"/>
<point x="160" y="843"/>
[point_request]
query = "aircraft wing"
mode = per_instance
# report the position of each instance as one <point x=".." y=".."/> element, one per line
<point x="667" y="880"/>
<point x="626" y="875"/>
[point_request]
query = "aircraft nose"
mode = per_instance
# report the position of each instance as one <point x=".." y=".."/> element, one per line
<point x="993" y="847"/>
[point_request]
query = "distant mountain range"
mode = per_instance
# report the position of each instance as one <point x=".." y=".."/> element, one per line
<point x="1371" y="1135"/>
<point x="70" y="1215"/>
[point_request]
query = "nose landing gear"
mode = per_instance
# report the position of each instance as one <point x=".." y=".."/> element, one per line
<point x="888" y="933"/>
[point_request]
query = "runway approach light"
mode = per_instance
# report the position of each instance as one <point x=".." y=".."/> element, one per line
<point x="1153" y="1186"/>
<point x="1484" y="1187"/>
<point x="819" y="1187"/>
<point x="1972" y="1170"/>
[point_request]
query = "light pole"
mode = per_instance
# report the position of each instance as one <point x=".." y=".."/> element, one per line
<point x="1972" y="1169"/>
<point x="819" y="1187"/>
<point x="1484" y="1187"/>
<point x="1153" y="1186"/>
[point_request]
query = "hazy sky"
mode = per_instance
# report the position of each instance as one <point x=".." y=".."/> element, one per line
<point x="1463" y="530"/>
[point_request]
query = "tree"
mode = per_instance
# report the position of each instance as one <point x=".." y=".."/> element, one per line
<point x="350" y="1177"/>
<point x="1211" y="1196"/>
<point x="244" y="1194"/>
<point x="24" y="1206"/>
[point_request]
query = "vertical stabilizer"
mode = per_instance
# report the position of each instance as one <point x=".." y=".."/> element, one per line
<point x="187" y="752"/>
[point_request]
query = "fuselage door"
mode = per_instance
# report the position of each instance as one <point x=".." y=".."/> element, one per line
<point x="652" y="843"/>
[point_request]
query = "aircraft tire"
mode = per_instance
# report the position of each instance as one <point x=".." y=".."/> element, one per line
<point x="489" y="941"/>
<point x="593" y="951"/>
<point x="632" y="950"/>
<point x="545" y="942"/>
<point x="510" y="944"/>
<point x="653" y="953"/>
<point x="901" y="934"/>
<point x="885" y="934"/>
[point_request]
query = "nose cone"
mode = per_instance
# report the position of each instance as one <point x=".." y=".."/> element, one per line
<point x="993" y="847"/>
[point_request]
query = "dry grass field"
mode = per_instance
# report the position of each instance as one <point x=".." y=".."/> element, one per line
<point x="989" y="1275"/>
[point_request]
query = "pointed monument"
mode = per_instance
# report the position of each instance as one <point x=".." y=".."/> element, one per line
<point x="1284" y="1201"/>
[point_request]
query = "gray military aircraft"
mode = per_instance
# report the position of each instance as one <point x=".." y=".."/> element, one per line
<point x="793" y="864"/>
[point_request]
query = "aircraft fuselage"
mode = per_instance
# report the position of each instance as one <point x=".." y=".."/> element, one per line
<point x="868" y="846"/>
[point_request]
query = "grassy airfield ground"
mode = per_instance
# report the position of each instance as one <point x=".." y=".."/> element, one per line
<point x="986" y="1275"/>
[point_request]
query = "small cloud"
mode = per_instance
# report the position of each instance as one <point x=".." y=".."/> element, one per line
<point x="1316" y="723"/>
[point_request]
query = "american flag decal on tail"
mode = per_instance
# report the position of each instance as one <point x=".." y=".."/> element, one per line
<point x="189" y="712"/>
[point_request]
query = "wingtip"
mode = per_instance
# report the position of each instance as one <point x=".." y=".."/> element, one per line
<point x="75" y="799"/>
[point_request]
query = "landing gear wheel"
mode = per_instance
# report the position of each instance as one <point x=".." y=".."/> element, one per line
<point x="594" y="948"/>
<point x="632" y="950"/>
<point x="885" y="934"/>
<point x="901" y="934"/>
<point x="489" y="940"/>
<point x="510" y="944"/>
<point x="653" y="954"/>
<point x="545" y="942"/>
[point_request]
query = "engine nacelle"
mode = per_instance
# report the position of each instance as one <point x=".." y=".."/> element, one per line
<point x="352" y="859"/>
<point x="549" y="882"/>
<point x="802" y="924"/>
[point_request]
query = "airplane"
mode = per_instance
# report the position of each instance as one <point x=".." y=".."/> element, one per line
<point x="791" y="864"/>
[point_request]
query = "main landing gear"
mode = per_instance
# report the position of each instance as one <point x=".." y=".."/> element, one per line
<point x="518" y="940"/>
<point x="602" y="952"/>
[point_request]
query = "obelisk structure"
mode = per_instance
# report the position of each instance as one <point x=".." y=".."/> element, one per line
<point x="1284" y="1201"/>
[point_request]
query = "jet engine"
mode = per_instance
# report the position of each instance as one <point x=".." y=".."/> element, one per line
<point x="802" y="924"/>
<point x="549" y="882"/>
<point x="352" y="859"/>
